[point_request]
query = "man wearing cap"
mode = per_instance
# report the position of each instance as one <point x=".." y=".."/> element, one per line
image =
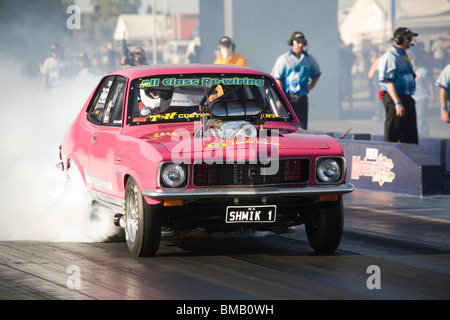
<point x="297" y="72"/>
<point x="397" y="85"/>
<point x="53" y="68"/>
<point x="443" y="82"/>
<point x="228" y="54"/>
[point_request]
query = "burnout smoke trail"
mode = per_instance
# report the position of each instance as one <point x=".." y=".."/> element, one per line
<point x="37" y="202"/>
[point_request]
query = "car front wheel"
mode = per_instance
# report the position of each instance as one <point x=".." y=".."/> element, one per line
<point x="143" y="226"/>
<point x="324" y="232"/>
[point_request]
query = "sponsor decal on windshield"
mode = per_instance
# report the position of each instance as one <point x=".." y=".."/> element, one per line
<point x="205" y="81"/>
<point x="181" y="116"/>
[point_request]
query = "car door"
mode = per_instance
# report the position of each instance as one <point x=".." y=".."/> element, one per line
<point x="107" y="115"/>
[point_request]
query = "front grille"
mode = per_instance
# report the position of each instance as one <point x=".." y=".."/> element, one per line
<point x="248" y="174"/>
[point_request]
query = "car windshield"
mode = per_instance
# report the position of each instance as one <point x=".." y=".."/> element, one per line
<point x="185" y="98"/>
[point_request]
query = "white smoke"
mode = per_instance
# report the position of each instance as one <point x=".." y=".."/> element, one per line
<point x="38" y="203"/>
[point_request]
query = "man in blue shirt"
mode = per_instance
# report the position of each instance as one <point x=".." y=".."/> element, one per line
<point x="397" y="82"/>
<point x="297" y="72"/>
<point x="443" y="82"/>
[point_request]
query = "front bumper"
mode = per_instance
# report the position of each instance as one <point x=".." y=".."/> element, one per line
<point x="208" y="193"/>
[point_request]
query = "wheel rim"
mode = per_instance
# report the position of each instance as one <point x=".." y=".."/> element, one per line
<point x="132" y="222"/>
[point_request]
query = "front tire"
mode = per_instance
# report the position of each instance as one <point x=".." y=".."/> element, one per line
<point x="324" y="232"/>
<point x="143" y="225"/>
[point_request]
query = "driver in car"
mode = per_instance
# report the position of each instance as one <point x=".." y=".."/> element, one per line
<point x="157" y="99"/>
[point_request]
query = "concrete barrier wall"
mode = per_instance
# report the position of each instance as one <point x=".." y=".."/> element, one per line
<point x="420" y="170"/>
<point x="421" y="177"/>
<point x="392" y="167"/>
<point x="438" y="149"/>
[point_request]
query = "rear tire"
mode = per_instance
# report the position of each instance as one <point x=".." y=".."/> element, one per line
<point x="143" y="225"/>
<point x="324" y="232"/>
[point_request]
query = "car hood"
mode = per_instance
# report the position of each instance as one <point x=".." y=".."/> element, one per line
<point x="185" y="140"/>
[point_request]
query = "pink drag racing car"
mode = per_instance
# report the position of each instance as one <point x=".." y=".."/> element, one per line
<point x="171" y="149"/>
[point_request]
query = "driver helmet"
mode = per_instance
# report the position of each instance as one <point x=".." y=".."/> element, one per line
<point x="157" y="99"/>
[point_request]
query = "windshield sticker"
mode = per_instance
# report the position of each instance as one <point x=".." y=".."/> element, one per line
<point x="176" y="115"/>
<point x="103" y="96"/>
<point x="205" y="81"/>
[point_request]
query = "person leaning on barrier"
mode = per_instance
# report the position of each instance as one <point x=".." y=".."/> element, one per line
<point x="397" y="86"/>
<point x="443" y="82"/>
<point x="297" y="72"/>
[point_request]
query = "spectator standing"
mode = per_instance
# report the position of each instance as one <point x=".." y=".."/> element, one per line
<point x="297" y="73"/>
<point x="228" y="54"/>
<point x="193" y="50"/>
<point x="444" y="93"/>
<point x="437" y="48"/>
<point x="139" y="57"/>
<point x="136" y="59"/>
<point x="54" y="67"/>
<point x="346" y="60"/>
<point x="426" y="57"/>
<point x="85" y="67"/>
<point x="372" y="75"/>
<point x="423" y="95"/>
<point x="110" y="58"/>
<point x="397" y="82"/>
<point x="447" y="49"/>
<point x="96" y="65"/>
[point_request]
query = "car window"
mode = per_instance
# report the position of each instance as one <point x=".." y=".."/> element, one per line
<point x="184" y="98"/>
<point x="114" y="103"/>
<point x="107" y="105"/>
<point x="96" y="108"/>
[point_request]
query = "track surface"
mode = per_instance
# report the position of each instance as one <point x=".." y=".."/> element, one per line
<point x="393" y="248"/>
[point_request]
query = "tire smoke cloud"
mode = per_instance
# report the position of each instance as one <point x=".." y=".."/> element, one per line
<point x="38" y="202"/>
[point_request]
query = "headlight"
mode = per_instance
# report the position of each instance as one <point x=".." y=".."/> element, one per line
<point x="173" y="175"/>
<point x="328" y="170"/>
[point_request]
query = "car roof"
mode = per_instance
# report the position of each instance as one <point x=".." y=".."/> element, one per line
<point x="143" y="71"/>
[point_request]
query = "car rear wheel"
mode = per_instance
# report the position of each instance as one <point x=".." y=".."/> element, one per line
<point x="324" y="232"/>
<point x="143" y="226"/>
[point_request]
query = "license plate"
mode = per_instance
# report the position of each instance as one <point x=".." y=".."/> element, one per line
<point x="251" y="214"/>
